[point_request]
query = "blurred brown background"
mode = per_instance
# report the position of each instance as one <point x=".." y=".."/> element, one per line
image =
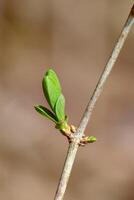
<point x="75" y="38"/>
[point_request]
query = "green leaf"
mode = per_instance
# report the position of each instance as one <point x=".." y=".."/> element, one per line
<point x="60" y="108"/>
<point x="51" y="88"/>
<point x="45" y="112"/>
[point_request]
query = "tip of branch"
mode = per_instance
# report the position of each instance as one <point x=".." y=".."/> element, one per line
<point x="132" y="10"/>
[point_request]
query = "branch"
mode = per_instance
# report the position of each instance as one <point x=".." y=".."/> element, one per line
<point x="73" y="147"/>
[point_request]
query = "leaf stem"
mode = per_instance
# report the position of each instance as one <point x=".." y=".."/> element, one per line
<point x="73" y="147"/>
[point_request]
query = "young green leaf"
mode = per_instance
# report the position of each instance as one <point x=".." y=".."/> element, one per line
<point x="45" y="112"/>
<point x="51" y="87"/>
<point x="60" y="108"/>
<point x="91" y="139"/>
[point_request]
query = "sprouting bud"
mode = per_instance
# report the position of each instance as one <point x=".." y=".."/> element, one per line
<point x="91" y="139"/>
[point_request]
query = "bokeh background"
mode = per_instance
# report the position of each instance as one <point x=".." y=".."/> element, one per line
<point x="75" y="38"/>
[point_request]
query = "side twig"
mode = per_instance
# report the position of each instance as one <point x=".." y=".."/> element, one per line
<point x="73" y="146"/>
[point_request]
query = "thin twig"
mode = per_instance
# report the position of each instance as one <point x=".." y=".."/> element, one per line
<point x="73" y="147"/>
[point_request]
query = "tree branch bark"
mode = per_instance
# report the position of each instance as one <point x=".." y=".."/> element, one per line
<point x="73" y="147"/>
